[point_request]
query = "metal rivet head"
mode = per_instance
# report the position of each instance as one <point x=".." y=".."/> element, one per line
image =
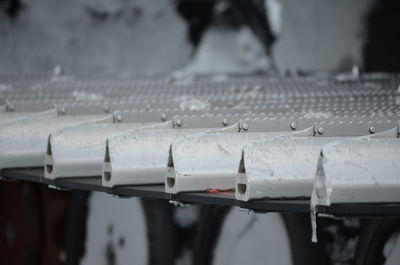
<point x="293" y="125"/>
<point x="61" y="111"/>
<point x="10" y="107"/>
<point x="58" y="70"/>
<point x="178" y="122"/>
<point x="163" y="116"/>
<point x="245" y="126"/>
<point x="225" y="122"/>
<point x="372" y="130"/>
<point x="321" y="130"/>
<point x="106" y="109"/>
<point x="117" y="117"/>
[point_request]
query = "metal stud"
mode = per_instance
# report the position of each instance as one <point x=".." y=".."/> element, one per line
<point x="106" y="109"/>
<point x="178" y="122"/>
<point x="293" y="125"/>
<point x="61" y="111"/>
<point x="163" y="116"/>
<point x="9" y="106"/>
<point x="372" y="130"/>
<point x="321" y="130"/>
<point x="245" y="126"/>
<point x="225" y="122"/>
<point x="117" y="117"/>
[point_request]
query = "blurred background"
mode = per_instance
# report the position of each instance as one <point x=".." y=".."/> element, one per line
<point x="181" y="37"/>
<point x="198" y="35"/>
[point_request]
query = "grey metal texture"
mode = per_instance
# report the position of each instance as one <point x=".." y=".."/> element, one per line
<point x="210" y="160"/>
<point x="23" y="140"/>
<point x="365" y="169"/>
<point x="281" y="167"/>
<point x="360" y="170"/>
<point x="79" y="151"/>
<point x="9" y="116"/>
<point x="141" y="156"/>
<point x="90" y="89"/>
<point x="138" y="129"/>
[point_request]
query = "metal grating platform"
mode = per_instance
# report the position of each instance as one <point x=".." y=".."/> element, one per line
<point x="321" y="144"/>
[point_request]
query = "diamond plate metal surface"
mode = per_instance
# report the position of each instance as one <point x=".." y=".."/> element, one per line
<point x="163" y="129"/>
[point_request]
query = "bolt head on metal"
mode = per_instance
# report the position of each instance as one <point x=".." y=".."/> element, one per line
<point x="117" y="117"/>
<point x="178" y="122"/>
<point x="58" y="70"/>
<point x="225" y="122"/>
<point x="321" y="130"/>
<point x="61" y="111"/>
<point x="163" y="116"/>
<point x="372" y="130"/>
<point x="106" y="109"/>
<point x="245" y="126"/>
<point x="10" y="107"/>
<point x="293" y="125"/>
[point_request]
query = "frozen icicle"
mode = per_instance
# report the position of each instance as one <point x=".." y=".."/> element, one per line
<point x="319" y="194"/>
<point x="313" y="213"/>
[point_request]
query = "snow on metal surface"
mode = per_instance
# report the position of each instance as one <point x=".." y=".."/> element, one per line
<point x="141" y="156"/>
<point x="23" y="141"/>
<point x="336" y="106"/>
<point x="9" y="112"/>
<point x="208" y="160"/>
<point x="79" y="151"/>
<point x="358" y="170"/>
<point x="281" y="167"/>
<point x="12" y="116"/>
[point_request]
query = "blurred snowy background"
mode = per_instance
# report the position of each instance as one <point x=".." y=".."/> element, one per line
<point x="185" y="35"/>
